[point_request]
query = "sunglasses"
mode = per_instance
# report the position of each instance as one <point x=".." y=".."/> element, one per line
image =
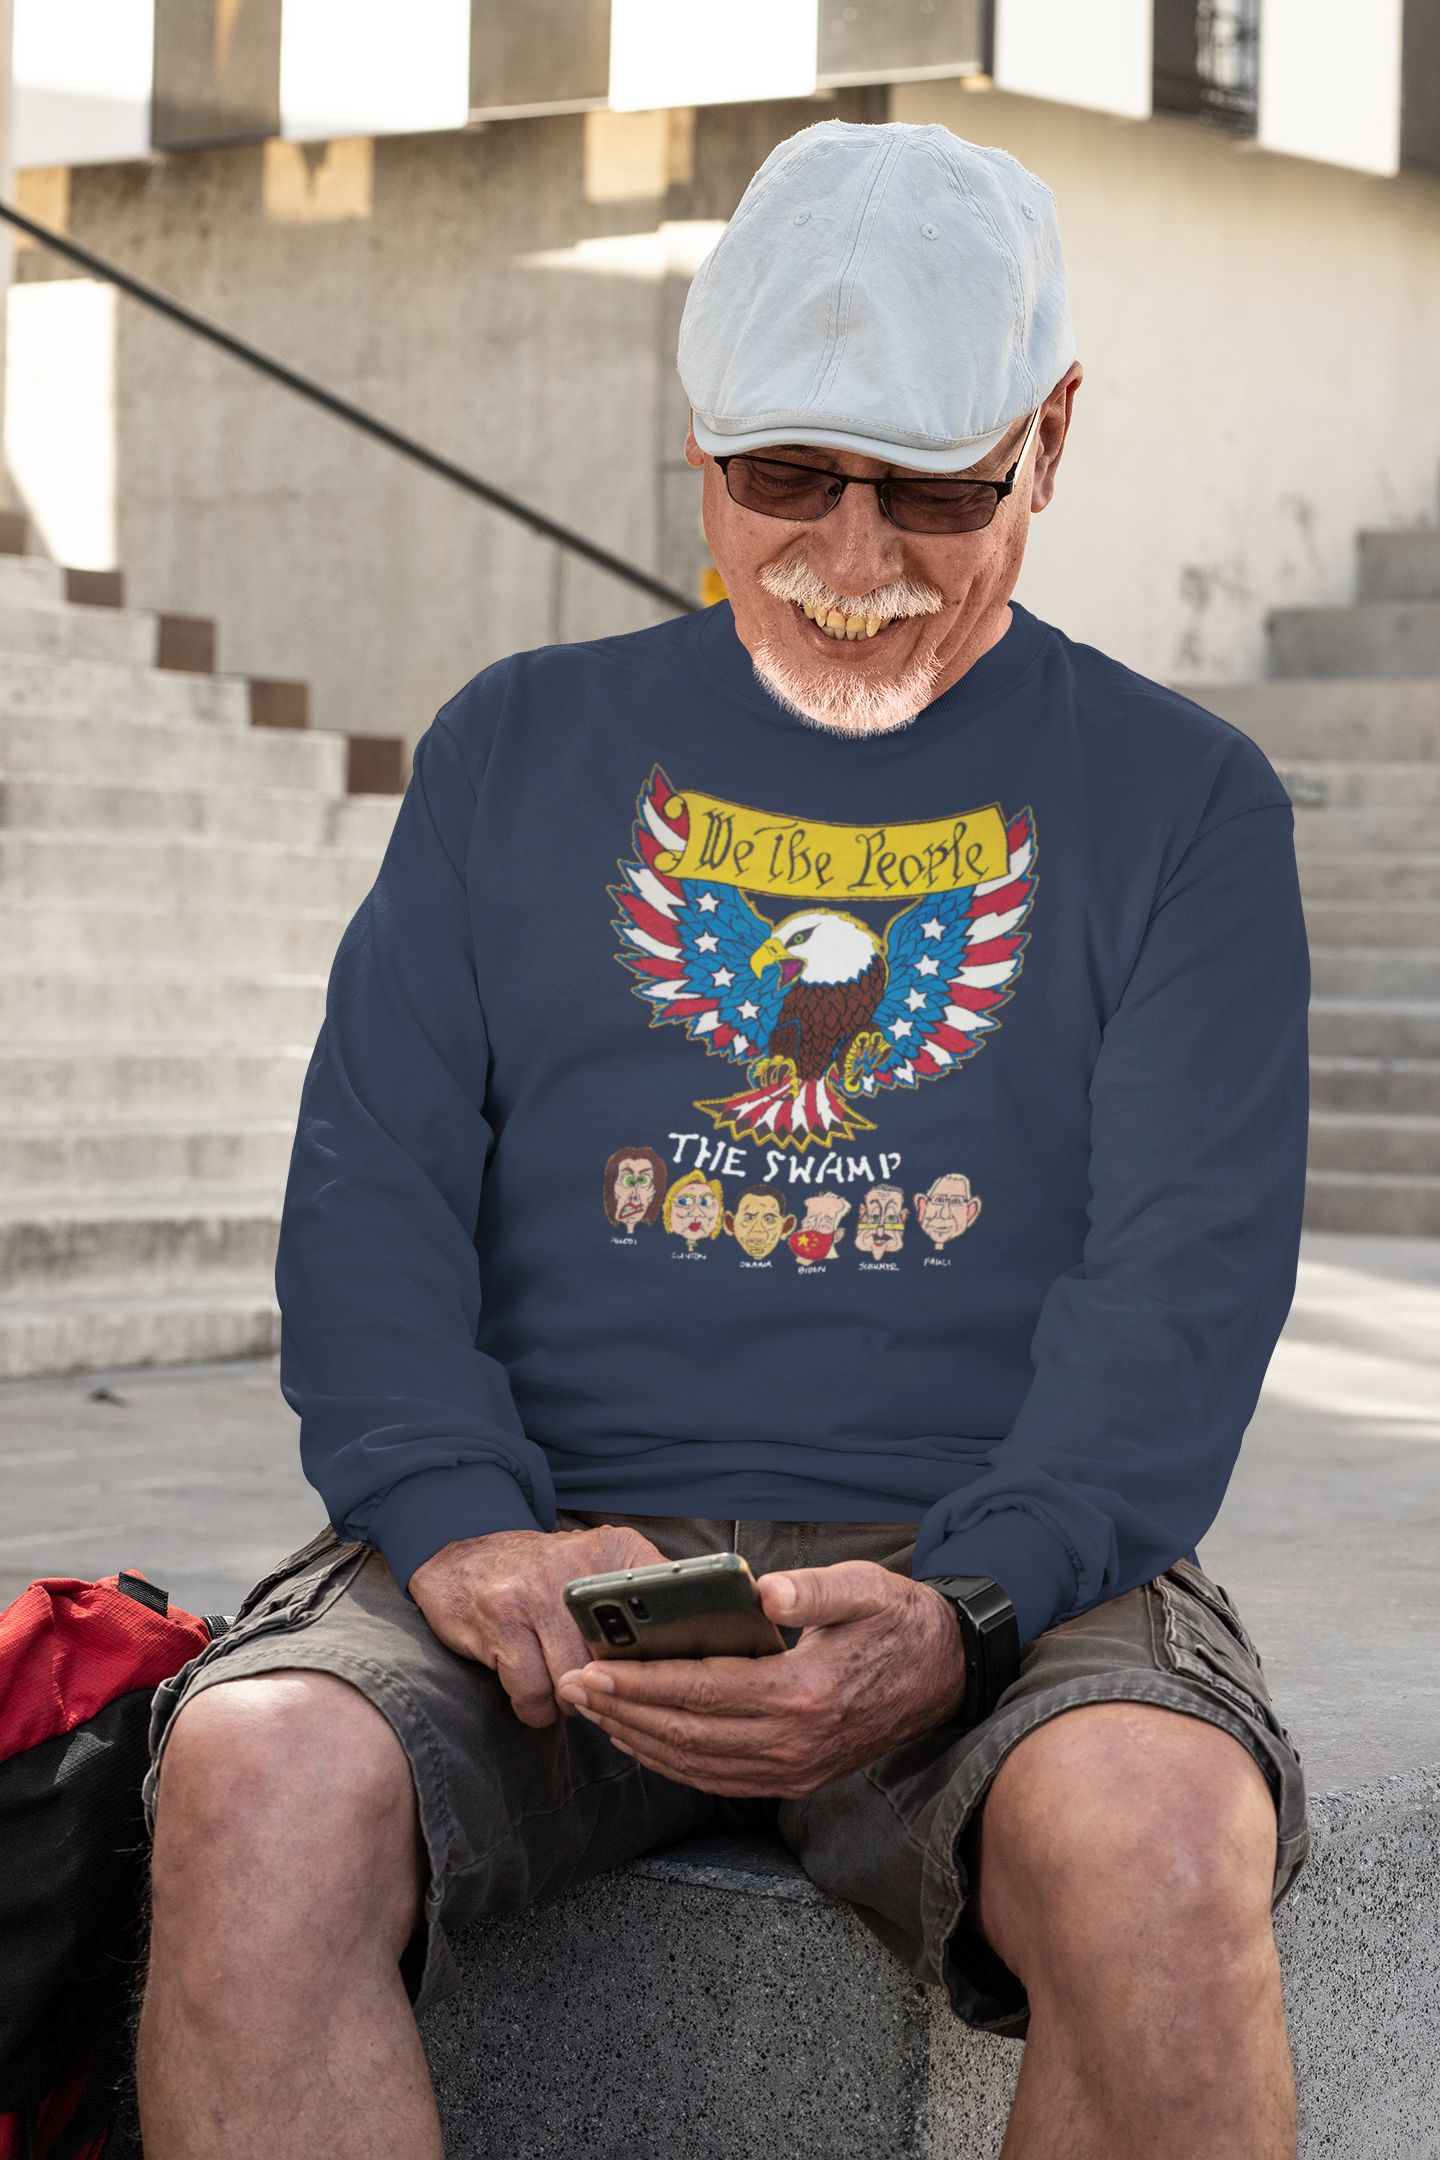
<point x="806" y="493"/>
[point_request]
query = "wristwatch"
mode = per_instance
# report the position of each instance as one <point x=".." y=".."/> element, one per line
<point x="991" y="1636"/>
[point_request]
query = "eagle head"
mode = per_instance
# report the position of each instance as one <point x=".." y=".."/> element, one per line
<point x="818" y="947"/>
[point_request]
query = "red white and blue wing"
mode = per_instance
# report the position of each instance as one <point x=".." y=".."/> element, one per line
<point x="952" y="960"/>
<point x="690" y="941"/>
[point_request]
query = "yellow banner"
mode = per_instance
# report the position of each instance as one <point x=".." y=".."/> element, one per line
<point x="731" y="845"/>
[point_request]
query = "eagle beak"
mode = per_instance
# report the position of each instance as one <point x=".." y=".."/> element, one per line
<point x="771" y="954"/>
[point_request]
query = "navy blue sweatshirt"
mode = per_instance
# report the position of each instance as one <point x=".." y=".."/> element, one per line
<point x="717" y="1117"/>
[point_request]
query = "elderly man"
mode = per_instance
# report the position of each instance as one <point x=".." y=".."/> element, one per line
<point x="931" y="883"/>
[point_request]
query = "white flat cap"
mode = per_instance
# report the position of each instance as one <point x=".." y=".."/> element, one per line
<point x="888" y="290"/>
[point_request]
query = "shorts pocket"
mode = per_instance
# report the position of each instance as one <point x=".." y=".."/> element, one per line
<point x="1202" y="1636"/>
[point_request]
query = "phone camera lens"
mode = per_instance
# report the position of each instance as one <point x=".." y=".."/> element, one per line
<point x="638" y="1606"/>
<point x="614" y="1626"/>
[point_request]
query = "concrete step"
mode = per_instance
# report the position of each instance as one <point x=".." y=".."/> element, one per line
<point x="30" y="581"/>
<point x="1373" y="922"/>
<point x="1335" y="784"/>
<point x="1375" y="971"/>
<point x="208" y="875"/>
<point x="136" y="1243"/>
<point x="1377" y="832"/>
<point x="246" y="1156"/>
<point x="38" y="686"/>
<point x="1378" y="1141"/>
<point x="142" y="755"/>
<point x="1375" y="1027"/>
<point x="366" y="821"/>
<point x="1296" y="720"/>
<point x="79" y="633"/>
<point x="99" y="1334"/>
<point x="782" y="2024"/>
<point x="118" y="1006"/>
<point x="1389" y="638"/>
<point x="1366" y="1204"/>
<point x="1399" y="565"/>
<point x="46" y="802"/>
<point x="1401" y="1086"/>
<point x="1391" y="878"/>
<point x="85" y="934"/>
<point x="86" y="1082"/>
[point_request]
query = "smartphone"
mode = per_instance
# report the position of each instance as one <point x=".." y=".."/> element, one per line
<point x="708" y="1607"/>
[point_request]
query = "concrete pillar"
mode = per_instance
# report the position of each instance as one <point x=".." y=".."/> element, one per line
<point x="7" y="191"/>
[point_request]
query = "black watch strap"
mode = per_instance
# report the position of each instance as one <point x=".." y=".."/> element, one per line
<point x="991" y="1636"/>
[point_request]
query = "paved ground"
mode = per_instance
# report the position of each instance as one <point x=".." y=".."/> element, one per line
<point x="1329" y="1538"/>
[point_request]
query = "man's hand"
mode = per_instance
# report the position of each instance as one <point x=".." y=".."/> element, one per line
<point x="880" y="1661"/>
<point x="497" y="1599"/>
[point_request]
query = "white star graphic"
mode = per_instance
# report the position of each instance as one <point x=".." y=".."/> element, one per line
<point x="749" y="1011"/>
<point x="933" y="928"/>
<point x="915" y="1000"/>
<point x="928" y="966"/>
<point x="901" y="1027"/>
<point x="707" y="942"/>
<point x="724" y="977"/>
<point x="707" y="903"/>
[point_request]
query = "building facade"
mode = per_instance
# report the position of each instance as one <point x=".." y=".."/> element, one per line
<point x="496" y="262"/>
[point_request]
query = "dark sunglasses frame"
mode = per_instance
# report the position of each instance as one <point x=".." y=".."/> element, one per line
<point x="840" y="481"/>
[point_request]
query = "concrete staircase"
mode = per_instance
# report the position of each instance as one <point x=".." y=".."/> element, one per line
<point x="1351" y="719"/>
<point x="173" y="882"/>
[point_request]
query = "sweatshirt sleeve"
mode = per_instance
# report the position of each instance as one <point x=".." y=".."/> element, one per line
<point x="408" y="1432"/>
<point x="1149" y="1355"/>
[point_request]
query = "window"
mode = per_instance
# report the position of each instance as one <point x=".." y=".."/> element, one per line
<point x="1207" y="61"/>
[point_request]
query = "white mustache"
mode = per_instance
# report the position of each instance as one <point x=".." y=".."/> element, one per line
<point x="798" y="582"/>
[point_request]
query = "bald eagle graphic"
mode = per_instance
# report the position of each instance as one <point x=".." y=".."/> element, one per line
<point x="825" y="1014"/>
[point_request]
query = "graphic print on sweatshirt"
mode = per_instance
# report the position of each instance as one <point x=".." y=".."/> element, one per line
<point x="825" y="1014"/>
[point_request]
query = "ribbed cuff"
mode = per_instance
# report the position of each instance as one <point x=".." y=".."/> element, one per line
<point x="1017" y="1552"/>
<point x="424" y="1513"/>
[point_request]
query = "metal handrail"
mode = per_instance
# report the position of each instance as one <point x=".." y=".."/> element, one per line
<point x="355" y="415"/>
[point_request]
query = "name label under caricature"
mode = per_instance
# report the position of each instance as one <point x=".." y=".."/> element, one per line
<point x="732" y="845"/>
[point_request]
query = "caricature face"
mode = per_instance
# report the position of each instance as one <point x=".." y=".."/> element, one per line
<point x="634" y="1190"/>
<point x="758" y="1224"/>
<point x="947" y="1210"/>
<point x="693" y="1210"/>
<point x="820" y="1232"/>
<point x="883" y="1216"/>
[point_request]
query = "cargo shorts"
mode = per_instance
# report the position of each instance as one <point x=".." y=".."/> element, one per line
<point x="511" y="1815"/>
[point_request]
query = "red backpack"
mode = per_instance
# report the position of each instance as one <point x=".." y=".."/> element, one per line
<point x="79" y="1663"/>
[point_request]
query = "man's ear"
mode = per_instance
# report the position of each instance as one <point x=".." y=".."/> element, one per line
<point x="919" y="1207"/>
<point x="694" y="455"/>
<point x="787" y="1226"/>
<point x="730" y="1224"/>
<point x="1054" y="427"/>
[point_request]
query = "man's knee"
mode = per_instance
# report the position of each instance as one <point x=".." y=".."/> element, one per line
<point x="286" y="1790"/>
<point x="1121" y="1822"/>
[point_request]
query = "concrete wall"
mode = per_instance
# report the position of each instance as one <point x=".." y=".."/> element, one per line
<point x="507" y="294"/>
<point x="1260" y="334"/>
<point x="1262" y="343"/>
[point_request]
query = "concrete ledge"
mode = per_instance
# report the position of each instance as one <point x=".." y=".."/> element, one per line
<point x="710" y="2001"/>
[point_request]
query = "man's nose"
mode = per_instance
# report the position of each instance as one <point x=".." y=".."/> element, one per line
<point x="855" y="548"/>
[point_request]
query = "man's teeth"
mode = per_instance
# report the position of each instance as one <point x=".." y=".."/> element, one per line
<point x="843" y="627"/>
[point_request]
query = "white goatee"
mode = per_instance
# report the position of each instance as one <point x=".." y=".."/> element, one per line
<point x="841" y="699"/>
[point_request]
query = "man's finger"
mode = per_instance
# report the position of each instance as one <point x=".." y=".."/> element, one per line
<point x="825" y="1596"/>
<point x="711" y="1687"/>
<point x="525" y="1677"/>
<point x="561" y="1644"/>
